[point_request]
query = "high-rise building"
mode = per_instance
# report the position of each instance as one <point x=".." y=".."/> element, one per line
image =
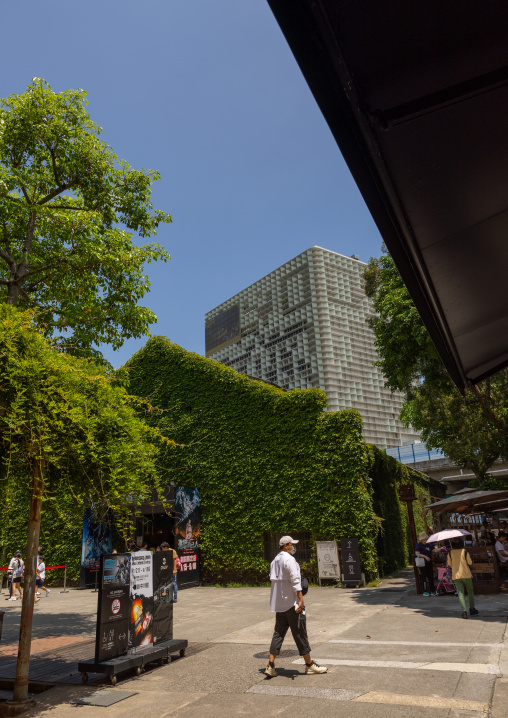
<point x="304" y="325"/>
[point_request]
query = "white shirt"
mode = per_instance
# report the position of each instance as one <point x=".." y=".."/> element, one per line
<point x="286" y="581"/>
<point x="41" y="570"/>
<point x="14" y="564"/>
<point x="500" y="547"/>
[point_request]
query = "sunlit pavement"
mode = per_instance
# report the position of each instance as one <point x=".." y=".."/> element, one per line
<point x="388" y="652"/>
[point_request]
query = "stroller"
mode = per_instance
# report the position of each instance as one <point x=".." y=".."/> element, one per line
<point x="445" y="585"/>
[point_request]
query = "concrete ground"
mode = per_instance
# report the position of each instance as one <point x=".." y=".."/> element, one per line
<point x="389" y="653"/>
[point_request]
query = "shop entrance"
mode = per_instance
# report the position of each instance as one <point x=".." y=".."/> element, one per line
<point x="155" y="529"/>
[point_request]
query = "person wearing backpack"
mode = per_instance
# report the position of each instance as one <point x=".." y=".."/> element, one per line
<point x="286" y="601"/>
<point x="459" y="560"/>
<point x="17" y="567"/>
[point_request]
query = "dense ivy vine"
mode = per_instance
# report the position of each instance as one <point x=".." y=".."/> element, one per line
<point x="266" y="460"/>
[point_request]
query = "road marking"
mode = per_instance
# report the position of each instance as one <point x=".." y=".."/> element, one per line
<point x="339" y="694"/>
<point x="488" y="668"/>
<point x="334" y="694"/>
<point x="415" y="643"/>
<point x="425" y="701"/>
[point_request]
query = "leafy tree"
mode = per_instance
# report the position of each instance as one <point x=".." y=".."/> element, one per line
<point x="68" y="208"/>
<point x="471" y="429"/>
<point x="66" y="429"/>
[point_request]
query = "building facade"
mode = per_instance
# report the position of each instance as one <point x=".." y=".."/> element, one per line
<point x="304" y="326"/>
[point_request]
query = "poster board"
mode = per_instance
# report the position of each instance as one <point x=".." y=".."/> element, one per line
<point x="187" y="534"/>
<point x="162" y="596"/>
<point x="111" y="637"/>
<point x="135" y="602"/>
<point x="96" y="542"/>
<point x="328" y="559"/>
<point x="141" y="601"/>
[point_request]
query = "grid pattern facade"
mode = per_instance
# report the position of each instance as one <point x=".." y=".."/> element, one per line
<point x="303" y="326"/>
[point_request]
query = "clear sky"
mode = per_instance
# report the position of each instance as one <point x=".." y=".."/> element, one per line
<point x="208" y="93"/>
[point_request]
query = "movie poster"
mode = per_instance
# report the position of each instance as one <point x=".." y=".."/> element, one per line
<point x="187" y="533"/>
<point x="141" y="601"/>
<point x="114" y="607"/>
<point x="162" y="596"/>
<point x="95" y="543"/>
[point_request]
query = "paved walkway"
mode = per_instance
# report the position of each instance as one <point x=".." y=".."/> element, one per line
<point x="390" y="653"/>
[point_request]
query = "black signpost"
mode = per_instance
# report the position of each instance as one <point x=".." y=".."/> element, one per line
<point x="350" y="559"/>
<point x="134" y="614"/>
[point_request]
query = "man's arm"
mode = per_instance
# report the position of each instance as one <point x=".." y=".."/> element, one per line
<point x="174" y="562"/>
<point x="299" y="608"/>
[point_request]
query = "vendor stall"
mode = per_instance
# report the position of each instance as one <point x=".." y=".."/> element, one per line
<point x="465" y="510"/>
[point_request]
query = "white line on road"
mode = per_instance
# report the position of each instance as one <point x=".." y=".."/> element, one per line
<point x="485" y="668"/>
<point x="364" y="642"/>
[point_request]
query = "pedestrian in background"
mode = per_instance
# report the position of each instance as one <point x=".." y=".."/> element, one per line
<point x="17" y="567"/>
<point x="166" y="547"/>
<point x="460" y="561"/>
<point x="426" y="551"/>
<point x="286" y="601"/>
<point x="41" y="576"/>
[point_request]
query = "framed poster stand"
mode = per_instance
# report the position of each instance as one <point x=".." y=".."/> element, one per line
<point x="328" y="561"/>
<point x="134" y="614"/>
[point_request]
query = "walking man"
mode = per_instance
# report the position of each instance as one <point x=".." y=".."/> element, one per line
<point x="286" y="601"/>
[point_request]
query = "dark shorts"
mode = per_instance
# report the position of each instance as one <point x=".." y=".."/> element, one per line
<point x="16" y="579"/>
<point x="39" y="582"/>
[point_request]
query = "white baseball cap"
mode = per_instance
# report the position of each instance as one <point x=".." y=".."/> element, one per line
<point x="287" y="539"/>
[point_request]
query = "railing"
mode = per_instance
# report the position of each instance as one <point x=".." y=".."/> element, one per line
<point x="413" y="453"/>
<point x="48" y="568"/>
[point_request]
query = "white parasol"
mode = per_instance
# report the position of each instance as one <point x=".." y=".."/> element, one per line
<point x="448" y="534"/>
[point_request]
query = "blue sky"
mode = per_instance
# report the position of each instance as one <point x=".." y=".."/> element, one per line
<point x="208" y="93"/>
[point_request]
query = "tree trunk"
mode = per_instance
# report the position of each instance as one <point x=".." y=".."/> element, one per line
<point x="13" y="294"/>
<point x="27" y="608"/>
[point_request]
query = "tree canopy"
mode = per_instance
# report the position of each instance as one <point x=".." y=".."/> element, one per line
<point x="68" y="211"/>
<point x="472" y="429"/>
<point x="68" y="415"/>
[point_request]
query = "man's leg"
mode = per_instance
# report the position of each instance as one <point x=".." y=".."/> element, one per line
<point x="175" y="589"/>
<point x="279" y="633"/>
<point x="298" y="625"/>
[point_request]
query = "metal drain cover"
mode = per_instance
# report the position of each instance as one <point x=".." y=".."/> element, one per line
<point x="103" y="698"/>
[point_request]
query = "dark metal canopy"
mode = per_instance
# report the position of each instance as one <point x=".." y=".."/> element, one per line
<point x="483" y="500"/>
<point x="416" y="96"/>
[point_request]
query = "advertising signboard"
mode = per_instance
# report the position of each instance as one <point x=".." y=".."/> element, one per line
<point x="187" y="534"/>
<point x="328" y="559"/>
<point x="162" y="596"/>
<point x="351" y="567"/>
<point x="95" y="543"/>
<point x="141" y="601"/>
<point x="111" y="638"/>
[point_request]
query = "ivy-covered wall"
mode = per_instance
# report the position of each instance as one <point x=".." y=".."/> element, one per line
<point x="265" y="460"/>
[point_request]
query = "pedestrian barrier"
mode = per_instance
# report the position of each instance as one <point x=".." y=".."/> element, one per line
<point x="48" y="568"/>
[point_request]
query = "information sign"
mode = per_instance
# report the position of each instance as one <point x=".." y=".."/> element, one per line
<point x="351" y="567"/>
<point x="328" y="559"/>
<point x="141" y="601"/>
